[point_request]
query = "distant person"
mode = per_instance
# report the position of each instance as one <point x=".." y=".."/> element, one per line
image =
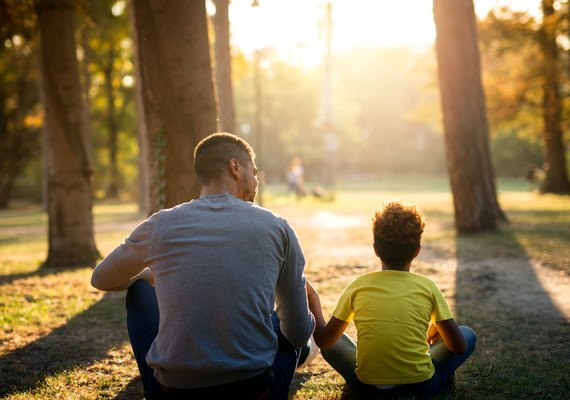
<point x="296" y="178"/>
<point x="407" y="340"/>
<point x="216" y="300"/>
<point x="533" y="176"/>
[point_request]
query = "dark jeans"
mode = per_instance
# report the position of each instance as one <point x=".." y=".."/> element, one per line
<point x="142" y="325"/>
<point x="342" y="357"/>
<point x="427" y="388"/>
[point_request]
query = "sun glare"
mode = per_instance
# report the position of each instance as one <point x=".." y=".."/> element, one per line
<point x="296" y="28"/>
<point x="383" y="23"/>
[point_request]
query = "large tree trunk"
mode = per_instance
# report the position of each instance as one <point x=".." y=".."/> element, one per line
<point x="556" y="180"/>
<point x="464" y="116"/>
<point x="223" y="65"/>
<point x="70" y="234"/>
<point x="178" y="93"/>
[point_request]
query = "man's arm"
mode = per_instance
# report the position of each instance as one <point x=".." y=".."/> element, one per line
<point x="124" y="264"/>
<point x="116" y="271"/>
<point x="297" y="322"/>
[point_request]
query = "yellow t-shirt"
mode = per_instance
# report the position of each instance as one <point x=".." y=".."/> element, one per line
<point x="392" y="311"/>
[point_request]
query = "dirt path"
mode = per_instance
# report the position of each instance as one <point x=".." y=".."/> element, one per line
<point x="338" y="245"/>
<point x="519" y="309"/>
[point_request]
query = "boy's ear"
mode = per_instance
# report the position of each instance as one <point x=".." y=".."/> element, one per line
<point x="376" y="249"/>
<point x="418" y="251"/>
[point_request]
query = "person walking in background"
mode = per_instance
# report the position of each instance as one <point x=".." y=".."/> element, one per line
<point x="216" y="301"/>
<point x="407" y="339"/>
<point x="296" y="178"/>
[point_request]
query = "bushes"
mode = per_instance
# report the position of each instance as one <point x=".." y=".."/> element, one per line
<point x="514" y="154"/>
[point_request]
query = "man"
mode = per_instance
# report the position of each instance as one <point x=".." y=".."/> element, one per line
<point x="227" y="279"/>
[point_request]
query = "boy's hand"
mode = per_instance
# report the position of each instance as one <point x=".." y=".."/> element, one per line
<point x="310" y="289"/>
<point x="432" y="334"/>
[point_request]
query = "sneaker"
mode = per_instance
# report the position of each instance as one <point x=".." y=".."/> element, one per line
<point x="308" y="353"/>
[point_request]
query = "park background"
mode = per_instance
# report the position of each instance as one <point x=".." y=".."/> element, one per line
<point x="367" y="117"/>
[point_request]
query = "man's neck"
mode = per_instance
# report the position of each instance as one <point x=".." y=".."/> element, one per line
<point x="218" y="187"/>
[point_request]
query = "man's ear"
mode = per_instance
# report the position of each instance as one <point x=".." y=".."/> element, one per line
<point x="233" y="166"/>
<point x="376" y="249"/>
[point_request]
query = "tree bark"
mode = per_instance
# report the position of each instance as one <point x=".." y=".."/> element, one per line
<point x="556" y="179"/>
<point x="466" y="128"/>
<point x="70" y="227"/>
<point x="15" y="145"/>
<point x="86" y="86"/>
<point x="19" y="141"/>
<point x="223" y="64"/>
<point x="178" y="93"/>
<point x="112" y="126"/>
<point x="142" y="136"/>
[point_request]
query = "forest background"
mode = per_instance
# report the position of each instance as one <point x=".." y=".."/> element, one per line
<point x="386" y="105"/>
<point x="370" y="123"/>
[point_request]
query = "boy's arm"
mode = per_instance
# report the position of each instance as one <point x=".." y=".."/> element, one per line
<point x="326" y="333"/>
<point x="451" y="335"/>
<point x="432" y="334"/>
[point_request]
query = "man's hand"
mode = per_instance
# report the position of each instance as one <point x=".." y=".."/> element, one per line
<point x="147" y="275"/>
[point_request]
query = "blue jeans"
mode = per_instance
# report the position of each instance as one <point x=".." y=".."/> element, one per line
<point x="342" y="357"/>
<point x="142" y="325"/>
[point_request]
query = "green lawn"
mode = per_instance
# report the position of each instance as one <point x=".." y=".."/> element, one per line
<point x="60" y="338"/>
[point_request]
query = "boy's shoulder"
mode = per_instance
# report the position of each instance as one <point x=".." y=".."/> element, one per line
<point x="423" y="279"/>
<point x="389" y="275"/>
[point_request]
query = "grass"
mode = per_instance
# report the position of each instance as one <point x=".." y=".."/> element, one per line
<point x="60" y="338"/>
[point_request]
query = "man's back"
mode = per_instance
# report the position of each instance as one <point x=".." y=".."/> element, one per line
<point x="215" y="298"/>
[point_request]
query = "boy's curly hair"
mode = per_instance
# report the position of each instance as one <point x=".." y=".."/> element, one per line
<point x="397" y="229"/>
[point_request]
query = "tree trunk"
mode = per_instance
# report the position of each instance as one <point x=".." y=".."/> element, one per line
<point x="142" y="136"/>
<point x="70" y="227"/>
<point x="112" y="127"/>
<point x="9" y="165"/>
<point x="178" y="93"/>
<point x="19" y="141"/>
<point x="464" y="117"/>
<point x="223" y="68"/>
<point x="86" y="86"/>
<point x="556" y="179"/>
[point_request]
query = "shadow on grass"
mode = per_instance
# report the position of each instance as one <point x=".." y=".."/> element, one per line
<point x="41" y="271"/>
<point x="299" y="380"/>
<point x="523" y="342"/>
<point x="133" y="390"/>
<point x="82" y="341"/>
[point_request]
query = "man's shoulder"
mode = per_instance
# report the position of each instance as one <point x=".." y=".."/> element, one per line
<point x="178" y="207"/>
<point x="262" y="211"/>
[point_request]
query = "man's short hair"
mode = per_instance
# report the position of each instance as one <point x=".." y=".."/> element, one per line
<point x="397" y="229"/>
<point x="212" y="154"/>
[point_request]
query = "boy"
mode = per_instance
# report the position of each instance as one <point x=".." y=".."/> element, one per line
<point x="400" y="317"/>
